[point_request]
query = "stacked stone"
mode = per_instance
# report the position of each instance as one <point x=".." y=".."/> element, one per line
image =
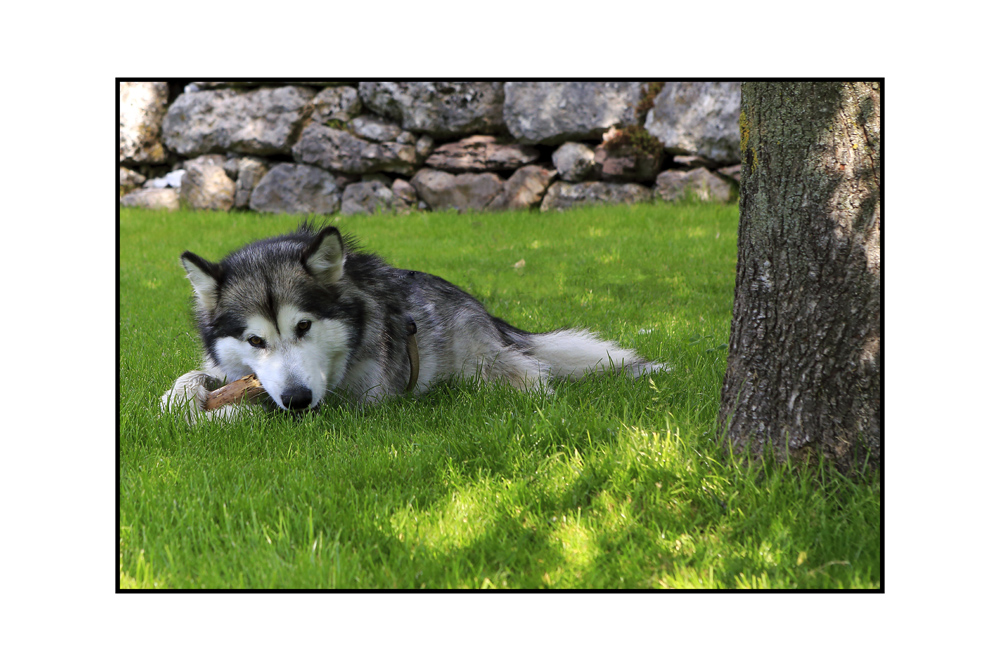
<point x="324" y="147"/>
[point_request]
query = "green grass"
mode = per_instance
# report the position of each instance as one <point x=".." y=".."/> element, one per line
<point x="606" y="483"/>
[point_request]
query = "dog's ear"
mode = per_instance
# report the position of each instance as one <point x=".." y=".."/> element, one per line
<point x="324" y="257"/>
<point x="204" y="276"/>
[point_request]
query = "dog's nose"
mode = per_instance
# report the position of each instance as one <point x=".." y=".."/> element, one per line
<point x="296" y="398"/>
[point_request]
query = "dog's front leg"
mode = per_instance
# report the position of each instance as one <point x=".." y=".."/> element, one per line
<point x="189" y="395"/>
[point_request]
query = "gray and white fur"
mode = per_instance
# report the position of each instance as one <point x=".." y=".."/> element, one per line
<point x="310" y="314"/>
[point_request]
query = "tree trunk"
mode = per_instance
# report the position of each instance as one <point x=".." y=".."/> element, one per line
<point x="804" y="373"/>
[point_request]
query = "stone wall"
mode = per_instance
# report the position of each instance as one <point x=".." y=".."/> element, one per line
<point x="361" y="147"/>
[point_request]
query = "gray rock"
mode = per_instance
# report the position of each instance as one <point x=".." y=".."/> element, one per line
<point x="565" y="195"/>
<point x="376" y="129"/>
<point x="213" y="159"/>
<point x="425" y="147"/>
<point x="404" y="195"/>
<point x="261" y="122"/>
<point x="702" y="184"/>
<point x="206" y="186"/>
<point x="624" y="164"/>
<point x="249" y="173"/>
<point x="439" y="109"/>
<point x="479" y="153"/>
<point x="128" y="180"/>
<point x="574" y="161"/>
<point x="524" y="189"/>
<point x="288" y="187"/>
<point x="232" y="167"/>
<point x="342" y="151"/>
<point x="468" y="191"/>
<point x="731" y="171"/>
<point x="367" y="197"/>
<point x="152" y="199"/>
<point x="337" y="103"/>
<point x="554" y="112"/>
<point x="141" y="108"/>
<point x="699" y="118"/>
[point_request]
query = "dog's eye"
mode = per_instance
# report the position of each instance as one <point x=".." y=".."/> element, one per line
<point x="303" y="326"/>
<point x="256" y="341"/>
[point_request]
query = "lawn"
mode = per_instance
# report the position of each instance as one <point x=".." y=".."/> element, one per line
<point x="606" y="483"/>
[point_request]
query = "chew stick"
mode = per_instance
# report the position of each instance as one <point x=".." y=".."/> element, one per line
<point x="244" y="389"/>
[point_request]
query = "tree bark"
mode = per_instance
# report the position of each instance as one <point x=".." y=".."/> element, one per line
<point x="804" y="373"/>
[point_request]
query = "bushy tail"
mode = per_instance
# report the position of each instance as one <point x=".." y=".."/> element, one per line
<point x="573" y="353"/>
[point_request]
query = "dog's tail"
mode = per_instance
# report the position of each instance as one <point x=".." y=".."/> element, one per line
<point x="573" y="353"/>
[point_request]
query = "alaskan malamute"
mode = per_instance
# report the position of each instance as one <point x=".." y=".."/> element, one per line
<point x="310" y="314"/>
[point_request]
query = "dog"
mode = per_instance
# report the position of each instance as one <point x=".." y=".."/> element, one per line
<point x="310" y="314"/>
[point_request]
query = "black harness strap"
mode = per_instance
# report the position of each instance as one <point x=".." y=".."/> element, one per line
<point x="411" y="351"/>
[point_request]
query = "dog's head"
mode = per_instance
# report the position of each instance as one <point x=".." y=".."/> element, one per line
<point x="274" y="308"/>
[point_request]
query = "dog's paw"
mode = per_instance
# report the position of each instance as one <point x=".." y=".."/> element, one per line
<point x="189" y="395"/>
